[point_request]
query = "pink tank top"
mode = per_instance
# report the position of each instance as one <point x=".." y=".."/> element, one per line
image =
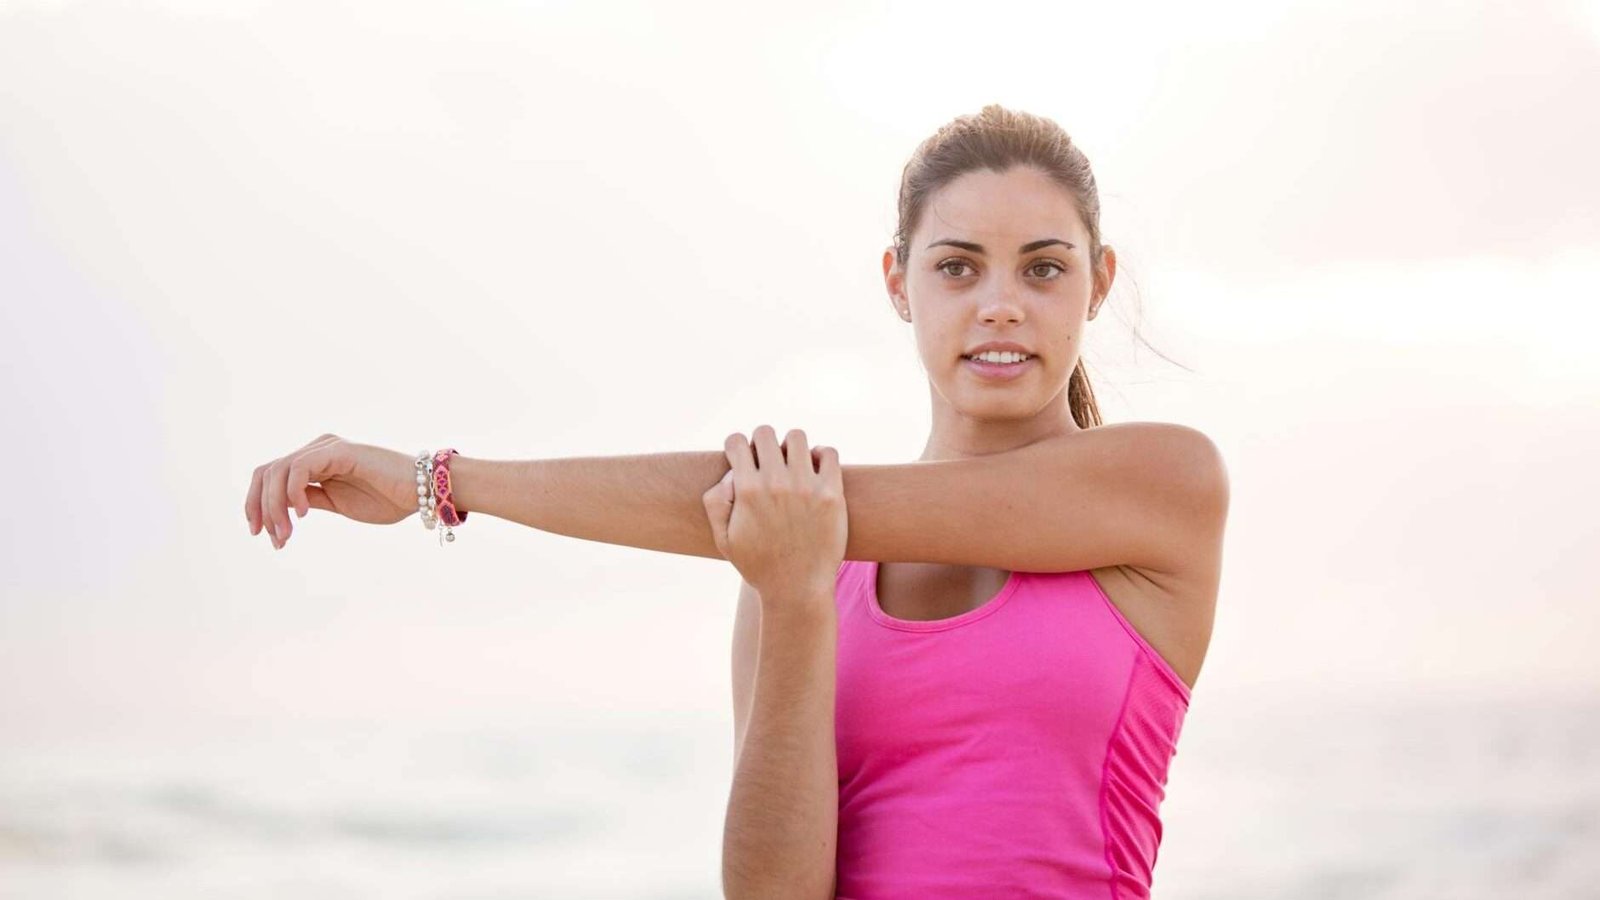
<point x="1019" y="749"/>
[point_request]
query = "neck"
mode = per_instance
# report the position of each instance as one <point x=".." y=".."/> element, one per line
<point x="956" y="435"/>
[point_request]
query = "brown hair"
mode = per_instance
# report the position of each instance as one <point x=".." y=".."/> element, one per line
<point x="997" y="138"/>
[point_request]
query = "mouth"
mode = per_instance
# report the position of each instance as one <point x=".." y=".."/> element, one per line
<point x="995" y="371"/>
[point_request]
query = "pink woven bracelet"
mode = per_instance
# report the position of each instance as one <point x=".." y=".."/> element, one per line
<point x="446" y="508"/>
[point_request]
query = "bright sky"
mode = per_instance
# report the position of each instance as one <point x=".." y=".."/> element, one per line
<point x="539" y="230"/>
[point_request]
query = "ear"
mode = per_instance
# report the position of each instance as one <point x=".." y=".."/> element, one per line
<point x="1104" y="275"/>
<point x="894" y="280"/>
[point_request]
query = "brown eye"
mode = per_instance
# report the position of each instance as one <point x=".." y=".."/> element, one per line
<point x="945" y="266"/>
<point x="1056" y="266"/>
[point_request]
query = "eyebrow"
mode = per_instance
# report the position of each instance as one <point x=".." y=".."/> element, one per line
<point x="1025" y="248"/>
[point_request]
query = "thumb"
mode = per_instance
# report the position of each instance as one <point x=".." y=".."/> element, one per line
<point x="719" y="501"/>
<point x="317" y="498"/>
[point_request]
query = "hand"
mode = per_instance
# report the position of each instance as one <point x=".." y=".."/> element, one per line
<point x="358" y="481"/>
<point x="779" y="513"/>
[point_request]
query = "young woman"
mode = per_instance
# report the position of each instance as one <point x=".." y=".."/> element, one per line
<point x="963" y="676"/>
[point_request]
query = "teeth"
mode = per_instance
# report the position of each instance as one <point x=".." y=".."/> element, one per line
<point x="999" y="356"/>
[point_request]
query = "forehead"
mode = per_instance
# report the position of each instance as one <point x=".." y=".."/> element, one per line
<point x="1017" y="206"/>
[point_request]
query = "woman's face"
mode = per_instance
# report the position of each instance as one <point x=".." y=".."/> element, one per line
<point x="999" y="257"/>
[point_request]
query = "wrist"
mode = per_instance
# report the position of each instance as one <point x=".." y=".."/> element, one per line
<point x="468" y="482"/>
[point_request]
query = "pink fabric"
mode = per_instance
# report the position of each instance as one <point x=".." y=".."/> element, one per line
<point x="1019" y="749"/>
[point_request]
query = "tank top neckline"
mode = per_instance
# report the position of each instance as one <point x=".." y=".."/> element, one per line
<point x="986" y="609"/>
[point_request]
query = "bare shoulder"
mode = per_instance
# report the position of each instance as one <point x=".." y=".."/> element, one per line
<point x="1173" y="607"/>
<point x="1182" y="458"/>
<point x="1176" y="487"/>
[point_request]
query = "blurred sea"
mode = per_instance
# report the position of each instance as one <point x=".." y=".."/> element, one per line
<point x="1422" y="797"/>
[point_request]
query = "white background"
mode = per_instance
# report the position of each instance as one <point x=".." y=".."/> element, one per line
<point x="1368" y="230"/>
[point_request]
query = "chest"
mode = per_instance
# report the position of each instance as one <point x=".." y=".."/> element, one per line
<point x="923" y="592"/>
<point x="1044" y="670"/>
<point x="920" y="592"/>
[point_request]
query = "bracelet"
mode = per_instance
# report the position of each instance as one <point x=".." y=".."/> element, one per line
<point x="425" y="499"/>
<point x="435" y="502"/>
<point x="445" y="505"/>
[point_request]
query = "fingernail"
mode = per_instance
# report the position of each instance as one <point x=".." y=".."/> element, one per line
<point x="277" y="531"/>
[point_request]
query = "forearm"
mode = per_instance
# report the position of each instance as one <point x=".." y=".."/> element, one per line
<point x="779" y="838"/>
<point x="652" y="501"/>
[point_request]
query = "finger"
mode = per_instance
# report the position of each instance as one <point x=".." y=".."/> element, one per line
<point x="719" y="511"/>
<point x="768" y="454"/>
<point x="797" y="452"/>
<point x="721" y="493"/>
<point x="264" y="504"/>
<point x="828" y="465"/>
<point x="739" y="456"/>
<point x="302" y="471"/>
<point x="252" y="501"/>
<point x="273" y="503"/>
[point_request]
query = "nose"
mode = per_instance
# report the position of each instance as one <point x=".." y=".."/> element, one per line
<point x="1001" y="307"/>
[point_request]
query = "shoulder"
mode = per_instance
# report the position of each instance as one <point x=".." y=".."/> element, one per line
<point x="1174" y="475"/>
<point x="1183" y="457"/>
<point x="1176" y="456"/>
<point x="1154" y="435"/>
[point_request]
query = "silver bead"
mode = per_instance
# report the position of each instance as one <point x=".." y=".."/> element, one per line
<point x="422" y="490"/>
<point x="450" y="536"/>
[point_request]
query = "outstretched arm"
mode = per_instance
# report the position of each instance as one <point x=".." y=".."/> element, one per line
<point x="649" y="500"/>
<point x="1150" y="494"/>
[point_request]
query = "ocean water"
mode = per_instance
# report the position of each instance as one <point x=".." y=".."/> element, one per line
<point x="1379" y="797"/>
<point x="1423" y="797"/>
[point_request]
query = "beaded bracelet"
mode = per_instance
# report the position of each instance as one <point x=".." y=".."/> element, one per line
<point x="435" y="501"/>
<point x="425" y="498"/>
